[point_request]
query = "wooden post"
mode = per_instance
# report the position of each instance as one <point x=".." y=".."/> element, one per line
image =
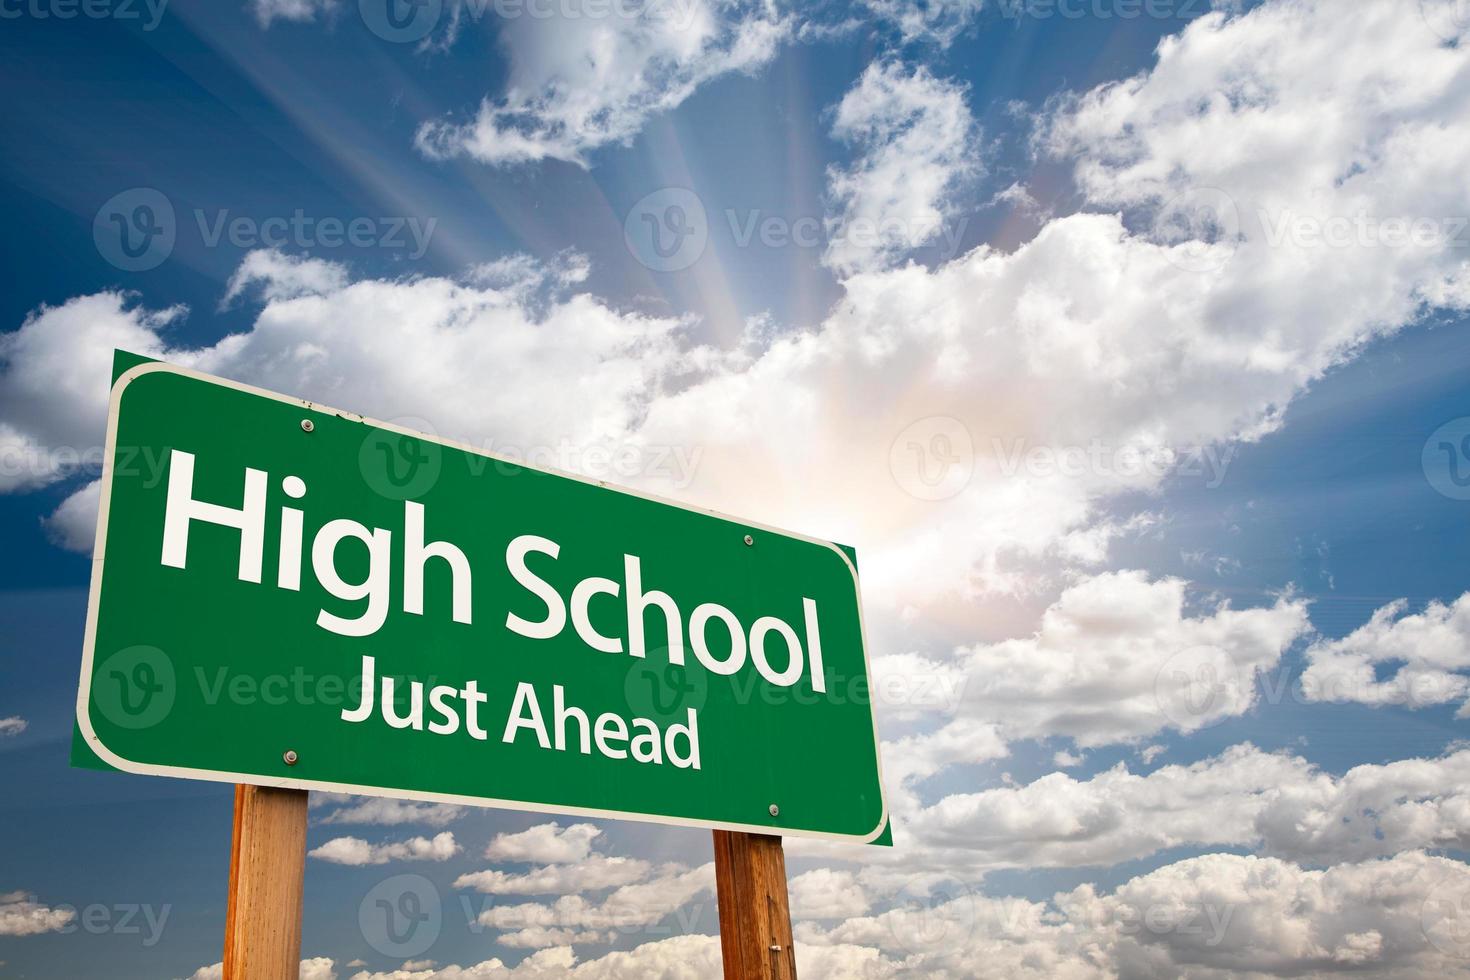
<point x="267" y="871"/>
<point x="755" y="918"/>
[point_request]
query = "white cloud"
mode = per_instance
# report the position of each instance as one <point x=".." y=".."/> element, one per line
<point x="13" y="725"/>
<point x="1118" y="658"/>
<point x="916" y="143"/>
<point x="54" y="374"/>
<point x="316" y="968"/>
<point x="592" y="873"/>
<point x="1243" y="914"/>
<point x="678" y="958"/>
<point x="636" y="905"/>
<point x="1277" y="803"/>
<point x="585" y="81"/>
<point x="343" y="346"/>
<point x="297" y="11"/>
<point x="73" y="525"/>
<point x="279" y="276"/>
<point x="1431" y="650"/>
<point x="1216" y="916"/>
<point x="383" y="812"/>
<point x="935" y="21"/>
<point x="827" y="894"/>
<point x="22" y="915"/>
<point x="356" y="852"/>
<point x="547" y="843"/>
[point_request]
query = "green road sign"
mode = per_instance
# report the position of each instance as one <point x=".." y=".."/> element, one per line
<point x="289" y="595"/>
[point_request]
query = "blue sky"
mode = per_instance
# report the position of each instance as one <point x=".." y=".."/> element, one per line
<point x="1068" y="263"/>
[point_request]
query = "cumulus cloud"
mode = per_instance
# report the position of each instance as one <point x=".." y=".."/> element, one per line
<point x="936" y="21"/>
<point x="73" y="525"/>
<point x="678" y="958"/>
<point x="316" y="968"/>
<point x="13" y="725"/>
<point x="584" y="81"/>
<point x="547" y="843"/>
<point x="643" y="903"/>
<point x="1116" y="658"/>
<point x="1218" y="915"/>
<point x="22" y="915"/>
<point x="827" y="894"/>
<point x="298" y="11"/>
<point x="1429" y="650"/>
<point x="1278" y="803"/>
<point x="592" y="873"/>
<point x="916" y="143"/>
<point x="382" y="811"/>
<point x="356" y="852"/>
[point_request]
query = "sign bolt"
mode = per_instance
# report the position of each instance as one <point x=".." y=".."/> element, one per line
<point x="290" y="757"/>
<point x="775" y="810"/>
<point x="749" y="539"/>
<point x="307" y="425"/>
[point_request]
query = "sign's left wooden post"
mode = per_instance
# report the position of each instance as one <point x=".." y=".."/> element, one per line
<point x="267" y="873"/>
